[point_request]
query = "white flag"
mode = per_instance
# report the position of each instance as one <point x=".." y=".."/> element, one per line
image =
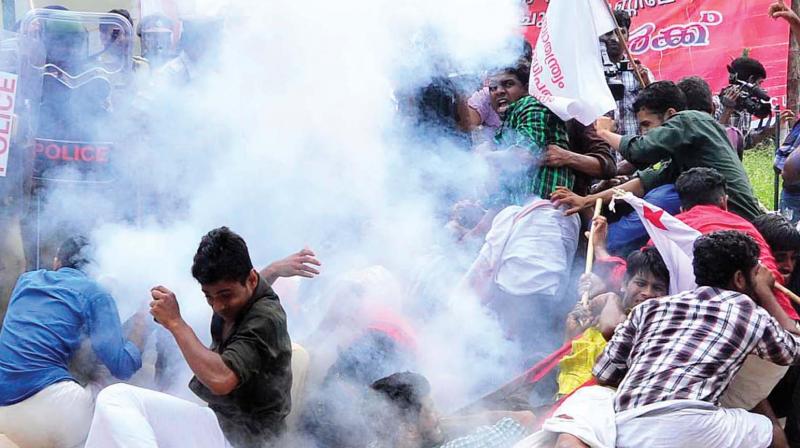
<point x="566" y="70"/>
<point x="673" y="239"/>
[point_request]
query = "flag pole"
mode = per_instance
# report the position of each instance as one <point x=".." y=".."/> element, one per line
<point x="598" y="207"/>
<point x="788" y="293"/>
<point x="624" y="43"/>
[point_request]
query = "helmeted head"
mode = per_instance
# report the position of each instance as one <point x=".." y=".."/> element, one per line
<point x="157" y="36"/>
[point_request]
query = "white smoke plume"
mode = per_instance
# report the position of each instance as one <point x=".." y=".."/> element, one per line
<point x="290" y="135"/>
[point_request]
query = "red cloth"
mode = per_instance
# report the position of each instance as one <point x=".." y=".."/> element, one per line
<point x="540" y="420"/>
<point x="709" y="218"/>
<point x="611" y="270"/>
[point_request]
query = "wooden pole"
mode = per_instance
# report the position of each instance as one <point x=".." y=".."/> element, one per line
<point x="788" y="293"/>
<point x="624" y="43"/>
<point x="793" y="83"/>
<point x="598" y="207"/>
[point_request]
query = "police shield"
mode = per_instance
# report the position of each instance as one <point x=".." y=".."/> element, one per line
<point x="87" y="62"/>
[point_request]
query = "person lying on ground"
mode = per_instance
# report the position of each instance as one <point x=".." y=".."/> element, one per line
<point x="680" y="140"/>
<point x="674" y="357"/>
<point x="245" y="377"/>
<point x="50" y="314"/>
<point x="405" y="416"/>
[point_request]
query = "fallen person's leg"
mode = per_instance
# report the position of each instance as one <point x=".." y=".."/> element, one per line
<point x="131" y="417"/>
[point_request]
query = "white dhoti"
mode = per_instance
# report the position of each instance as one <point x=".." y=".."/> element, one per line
<point x="752" y="383"/>
<point x="529" y="249"/>
<point x="588" y="415"/>
<point x="691" y="424"/>
<point x="58" y="416"/>
<point x="131" y="417"/>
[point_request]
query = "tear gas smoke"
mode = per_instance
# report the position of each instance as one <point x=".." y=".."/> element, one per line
<point x="289" y="133"/>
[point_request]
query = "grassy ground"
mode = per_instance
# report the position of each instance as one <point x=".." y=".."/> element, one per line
<point x="758" y="164"/>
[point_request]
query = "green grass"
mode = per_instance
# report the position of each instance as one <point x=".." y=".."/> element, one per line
<point x="758" y="164"/>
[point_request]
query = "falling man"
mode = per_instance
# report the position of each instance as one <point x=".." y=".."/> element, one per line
<point x="245" y="377"/>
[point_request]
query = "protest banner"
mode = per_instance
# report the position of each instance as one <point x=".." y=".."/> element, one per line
<point x="678" y="38"/>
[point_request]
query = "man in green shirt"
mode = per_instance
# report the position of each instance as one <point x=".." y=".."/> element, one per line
<point x="528" y="131"/>
<point x="677" y="140"/>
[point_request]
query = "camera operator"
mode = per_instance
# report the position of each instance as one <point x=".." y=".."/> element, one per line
<point x="743" y="98"/>
<point x="620" y="72"/>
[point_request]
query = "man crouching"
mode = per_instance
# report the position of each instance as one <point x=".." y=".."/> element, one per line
<point x="245" y="377"/>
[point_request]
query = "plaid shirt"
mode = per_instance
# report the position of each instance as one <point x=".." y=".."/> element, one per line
<point x="503" y="434"/>
<point x="627" y="122"/>
<point x="689" y="346"/>
<point x="531" y="125"/>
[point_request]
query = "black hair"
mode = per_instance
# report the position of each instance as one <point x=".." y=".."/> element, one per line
<point x="623" y="18"/>
<point x="778" y="231"/>
<point x="123" y="13"/>
<point x="527" y="51"/>
<point x="74" y="252"/>
<point x="700" y="186"/>
<point x="747" y="69"/>
<point x="660" y="96"/>
<point x="718" y="255"/>
<point x="647" y="260"/>
<point x="522" y="71"/>
<point x="698" y="94"/>
<point x="405" y="391"/>
<point x="221" y="256"/>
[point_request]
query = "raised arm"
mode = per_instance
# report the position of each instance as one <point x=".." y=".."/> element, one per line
<point x="779" y="10"/>
<point x="207" y="365"/>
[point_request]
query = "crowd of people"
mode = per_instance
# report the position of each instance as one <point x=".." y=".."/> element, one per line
<point x="613" y="356"/>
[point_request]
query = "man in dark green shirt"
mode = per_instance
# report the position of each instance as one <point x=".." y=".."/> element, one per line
<point x="529" y="129"/>
<point x="674" y="141"/>
<point x="245" y="376"/>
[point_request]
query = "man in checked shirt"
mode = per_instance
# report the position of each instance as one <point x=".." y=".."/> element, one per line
<point x="674" y="357"/>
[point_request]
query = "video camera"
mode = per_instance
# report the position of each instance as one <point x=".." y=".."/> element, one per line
<point x="752" y="98"/>
<point x="612" y="71"/>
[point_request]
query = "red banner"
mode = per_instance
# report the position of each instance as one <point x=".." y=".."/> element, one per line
<point x="678" y="38"/>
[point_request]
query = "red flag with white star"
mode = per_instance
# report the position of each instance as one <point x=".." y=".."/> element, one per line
<point x="673" y="239"/>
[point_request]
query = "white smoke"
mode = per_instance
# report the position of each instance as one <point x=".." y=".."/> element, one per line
<point x="290" y="136"/>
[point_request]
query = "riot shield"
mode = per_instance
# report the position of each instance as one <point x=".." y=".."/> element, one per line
<point x="18" y="97"/>
<point x="82" y="61"/>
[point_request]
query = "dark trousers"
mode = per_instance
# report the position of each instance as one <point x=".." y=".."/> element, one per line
<point x="785" y="401"/>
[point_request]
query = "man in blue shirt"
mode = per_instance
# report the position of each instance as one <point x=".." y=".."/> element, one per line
<point x="50" y="313"/>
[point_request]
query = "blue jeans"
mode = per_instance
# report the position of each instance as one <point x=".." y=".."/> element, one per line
<point x="628" y="233"/>
<point x="790" y="205"/>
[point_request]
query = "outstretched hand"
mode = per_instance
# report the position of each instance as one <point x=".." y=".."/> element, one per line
<point x="300" y="264"/>
<point x="574" y="203"/>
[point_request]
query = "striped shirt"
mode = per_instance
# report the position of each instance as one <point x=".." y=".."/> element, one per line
<point x="531" y="125"/>
<point x="689" y="347"/>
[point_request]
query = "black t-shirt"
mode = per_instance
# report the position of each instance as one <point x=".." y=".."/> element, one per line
<point x="259" y="351"/>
